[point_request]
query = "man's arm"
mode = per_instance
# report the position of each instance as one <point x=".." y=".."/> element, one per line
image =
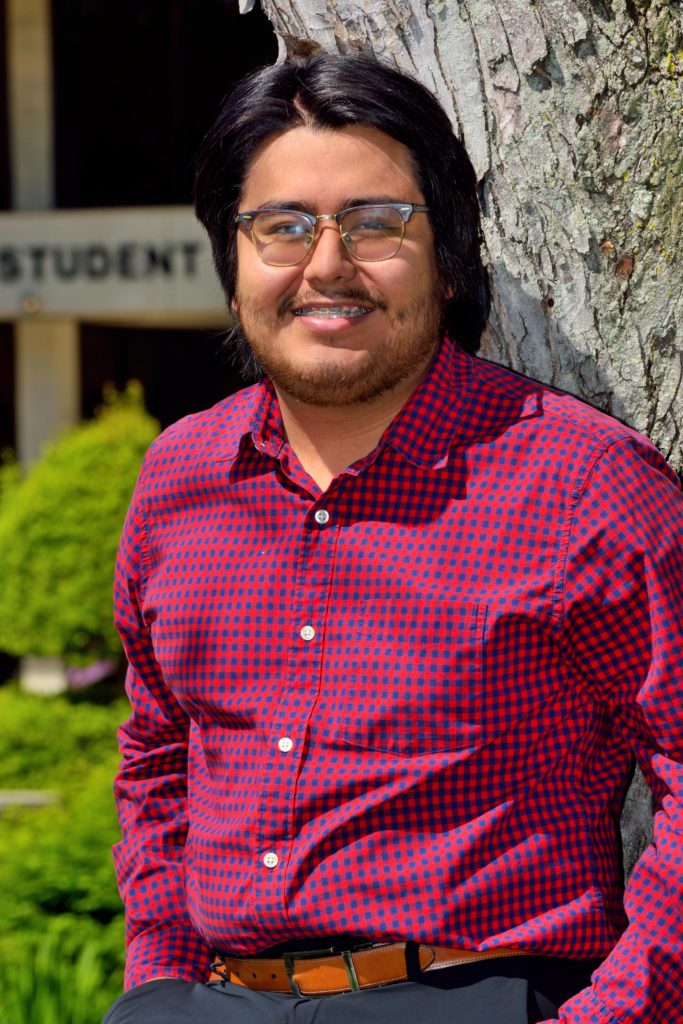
<point x="623" y="629"/>
<point x="151" y="791"/>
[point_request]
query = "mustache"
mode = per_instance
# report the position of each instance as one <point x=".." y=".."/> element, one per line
<point x="287" y="305"/>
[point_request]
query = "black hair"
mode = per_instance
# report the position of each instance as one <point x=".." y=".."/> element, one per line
<point x="330" y="91"/>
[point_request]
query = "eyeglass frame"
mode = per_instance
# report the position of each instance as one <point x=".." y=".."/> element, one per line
<point x="406" y="210"/>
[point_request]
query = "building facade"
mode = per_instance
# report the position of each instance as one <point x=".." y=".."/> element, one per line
<point x="105" y="276"/>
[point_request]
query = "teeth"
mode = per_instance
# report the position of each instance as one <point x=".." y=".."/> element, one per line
<point x="331" y="311"/>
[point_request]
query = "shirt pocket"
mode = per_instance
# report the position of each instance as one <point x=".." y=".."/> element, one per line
<point x="414" y="684"/>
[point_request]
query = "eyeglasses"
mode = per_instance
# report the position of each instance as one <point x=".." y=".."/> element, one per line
<point x="284" y="238"/>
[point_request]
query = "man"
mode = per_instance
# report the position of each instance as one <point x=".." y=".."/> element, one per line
<point x="396" y="618"/>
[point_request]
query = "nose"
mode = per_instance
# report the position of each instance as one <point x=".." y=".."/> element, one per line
<point x="329" y="259"/>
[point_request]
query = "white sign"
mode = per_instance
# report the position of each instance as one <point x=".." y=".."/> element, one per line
<point x="109" y="263"/>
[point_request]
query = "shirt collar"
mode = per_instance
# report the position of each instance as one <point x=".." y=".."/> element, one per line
<point x="435" y="415"/>
<point x="439" y="414"/>
<point x="462" y="399"/>
<point x="266" y="427"/>
<point x="255" y="420"/>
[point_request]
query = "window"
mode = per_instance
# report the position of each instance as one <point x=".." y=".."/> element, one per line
<point x="137" y="84"/>
<point x="181" y="371"/>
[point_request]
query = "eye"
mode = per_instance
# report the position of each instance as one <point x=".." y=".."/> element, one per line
<point x="372" y="220"/>
<point x="281" y="225"/>
<point x="370" y="223"/>
<point x="289" y="227"/>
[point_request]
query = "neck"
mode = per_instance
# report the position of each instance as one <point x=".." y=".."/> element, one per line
<point x="327" y="439"/>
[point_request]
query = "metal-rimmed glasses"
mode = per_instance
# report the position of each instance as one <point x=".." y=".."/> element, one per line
<point x="373" y="233"/>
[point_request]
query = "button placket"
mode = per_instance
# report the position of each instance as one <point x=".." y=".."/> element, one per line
<point x="314" y="561"/>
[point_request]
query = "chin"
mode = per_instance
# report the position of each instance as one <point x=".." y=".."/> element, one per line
<point x="347" y="340"/>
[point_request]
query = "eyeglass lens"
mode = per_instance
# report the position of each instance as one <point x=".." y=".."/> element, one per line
<point x="370" y="233"/>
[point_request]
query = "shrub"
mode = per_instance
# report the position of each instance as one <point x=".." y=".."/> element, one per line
<point x="61" y="927"/>
<point x="59" y="528"/>
<point x="54" y="743"/>
<point x="10" y="474"/>
<point x="49" y="988"/>
<point x="55" y="861"/>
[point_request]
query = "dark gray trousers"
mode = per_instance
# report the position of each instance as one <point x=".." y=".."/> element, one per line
<point x="521" y="990"/>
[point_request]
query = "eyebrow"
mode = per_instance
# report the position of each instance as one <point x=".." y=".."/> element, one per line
<point x="298" y="205"/>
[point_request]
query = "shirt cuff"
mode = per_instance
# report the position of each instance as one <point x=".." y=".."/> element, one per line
<point x="171" y="952"/>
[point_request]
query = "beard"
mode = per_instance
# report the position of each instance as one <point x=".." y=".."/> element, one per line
<point x="410" y="339"/>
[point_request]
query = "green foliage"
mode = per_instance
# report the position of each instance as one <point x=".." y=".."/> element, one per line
<point x="50" y="988"/>
<point x="61" y="928"/>
<point x="59" y="528"/>
<point x="10" y="475"/>
<point x="51" y="743"/>
<point x="56" y="860"/>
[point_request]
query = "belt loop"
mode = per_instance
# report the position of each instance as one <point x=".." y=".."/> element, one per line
<point x="413" y="968"/>
<point x="289" y="970"/>
<point x="350" y="970"/>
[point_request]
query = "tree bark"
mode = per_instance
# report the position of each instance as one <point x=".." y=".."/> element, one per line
<point x="572" y="113"/>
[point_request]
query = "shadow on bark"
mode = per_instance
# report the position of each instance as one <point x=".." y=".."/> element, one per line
<point x="546" y="353"/>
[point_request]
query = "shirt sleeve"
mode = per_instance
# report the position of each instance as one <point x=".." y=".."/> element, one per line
<point x="151" y="791"/>
<point x="623" y="631"/>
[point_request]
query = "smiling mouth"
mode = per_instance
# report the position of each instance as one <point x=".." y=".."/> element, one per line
<point x="331" y="312"/>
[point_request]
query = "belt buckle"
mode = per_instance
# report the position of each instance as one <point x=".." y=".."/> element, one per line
<point x="318" y="954"/>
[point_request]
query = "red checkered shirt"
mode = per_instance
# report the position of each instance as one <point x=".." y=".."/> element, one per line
<point x="406" y="707"/>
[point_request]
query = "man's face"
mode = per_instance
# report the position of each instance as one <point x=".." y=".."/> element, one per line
<point x="338" y="360"/>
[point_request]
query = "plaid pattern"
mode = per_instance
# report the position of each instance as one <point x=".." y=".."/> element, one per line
<point x="406" y="708"/>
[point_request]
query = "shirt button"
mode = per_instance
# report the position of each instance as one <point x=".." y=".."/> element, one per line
<point x="285" y="744"/>
<point x="307" y="633"/>
<point x="270" y="860"/>
<point x="322" y="516"/>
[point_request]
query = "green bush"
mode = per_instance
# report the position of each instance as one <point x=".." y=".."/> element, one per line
<point x="10" y="474"/>
<point x="56" y="860"/>
<point x="54" y="743"/>
<point x="59" y="528"/>
<point x="61" y="927"/>
<point x="49" y="988"/>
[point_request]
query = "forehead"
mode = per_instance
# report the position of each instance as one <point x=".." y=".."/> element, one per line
<point x="323" y="166"/>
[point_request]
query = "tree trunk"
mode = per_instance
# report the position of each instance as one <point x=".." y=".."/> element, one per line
<point x="571" y="111"/>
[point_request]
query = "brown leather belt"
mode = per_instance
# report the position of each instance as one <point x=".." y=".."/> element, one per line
<point x="323" y="972"/>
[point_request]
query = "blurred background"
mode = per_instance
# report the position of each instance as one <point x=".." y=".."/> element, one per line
<point x="111" y="322"/>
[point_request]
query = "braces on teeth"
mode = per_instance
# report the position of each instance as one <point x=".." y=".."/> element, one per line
<point x="332" y="312"/>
